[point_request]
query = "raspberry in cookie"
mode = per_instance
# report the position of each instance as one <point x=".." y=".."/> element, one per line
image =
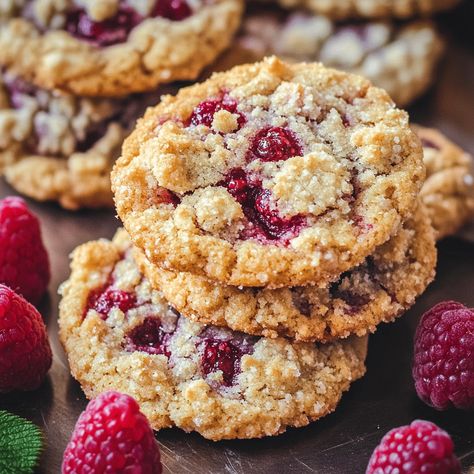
<point x="398" y="58"/>
<point x="116" y="47"/>
<point x="311" y="172"/>
<point x="220" y="383"/>
<point x="378" y="290"/>
<point x="342" y="9"/>
<point x="448" y="192"/>
<point x="60" y="147"/>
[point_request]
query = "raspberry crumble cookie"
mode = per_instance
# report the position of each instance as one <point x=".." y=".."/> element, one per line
<point x="379" y="290"/>
<point x="399" y="59"/>
<point x="120" y="334"/>
<point x="61" y="147"/>
<point x="342" y="9"/>
<point x="269" y="175"/>
<point x="113" y="47"/>
<point x="448" y="192"/>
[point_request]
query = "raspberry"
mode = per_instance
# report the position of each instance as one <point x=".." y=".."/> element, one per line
<point x="203" y="114"/>
<point x="149" y="337"/>
<point x="174" y="10"/>
<point x="25" y="353"/>
<point x="112" y="436"/>
<point x="274" y="144"/>
<point x="418" y="448"/>
<point x="443" y="367"/>
<point x="104" y="299"/>
<point x="24" y="262"/>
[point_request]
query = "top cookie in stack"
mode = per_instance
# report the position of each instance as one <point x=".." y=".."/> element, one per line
<point x="274" y="175"/>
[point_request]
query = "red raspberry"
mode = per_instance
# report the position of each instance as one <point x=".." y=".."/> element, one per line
<point x="24" y="262"/>
<point x="112" y="436"/>
<point x="443" y="367"/>
<point x="149" y="337"/>
<point x="174" y="10"/>
<point x="104" y="299"/>
<point x="274" y="144"/>
<point x="419" y="448"/>
<point x="203" y="113"/>
<point x="25" y="353"/>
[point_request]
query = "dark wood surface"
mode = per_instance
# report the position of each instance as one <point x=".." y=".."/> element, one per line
<point x="342" y="442"/>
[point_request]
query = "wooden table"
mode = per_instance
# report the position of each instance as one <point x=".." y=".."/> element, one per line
<point x="342" y="442"/>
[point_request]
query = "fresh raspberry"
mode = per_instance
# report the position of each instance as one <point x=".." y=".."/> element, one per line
<point x="274" y="144"/>
<point x="419" y="448"/>
<point x="112" y="436"/>
<point x="104" y="299"/>
<point x="203" y="113"/>
<point x="25" y="353"/>
<point x="24" y="262"/>
<point x="443" y="367"/>
<point x="149" y="337"/>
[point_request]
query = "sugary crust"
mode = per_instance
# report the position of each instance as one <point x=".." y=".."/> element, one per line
<point x="157" y="51"/>
<point x="448" y="192"/>
<point x="388" y="158"/>
<point x="385" y="285"/>
<point x="399" y="59"/>
<point x="342" y="9"/>
<point x="281" y="384"/>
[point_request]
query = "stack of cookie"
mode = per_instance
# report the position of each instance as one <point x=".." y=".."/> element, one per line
<point x="67" y="72"/>
<point x="273" y="221"/>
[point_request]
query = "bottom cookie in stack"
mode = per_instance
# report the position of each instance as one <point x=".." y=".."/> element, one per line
<point x="121" y="334"/>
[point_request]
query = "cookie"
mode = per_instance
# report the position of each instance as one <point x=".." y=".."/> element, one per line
<point x="398" y="58"/>
<point x="116" y="47"/>
<point x="60" y="147"/>
<point x="121" y="334"/>
<point x="268" y="175"/>
<point x="448" y="192"/>
<point x="342" y="9"/>
<point x="379" y="290"/>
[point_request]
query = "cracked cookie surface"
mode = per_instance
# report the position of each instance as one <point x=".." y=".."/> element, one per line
<point x="121" y="334"/>
<point x="379" y="290"/>
<point x="343" y="9"/>
<point x="448" y="192"/>
<point x="269" y="175"/>
<point x="59" y="147"/>
<point x="116" y="47"/>
<point x="399" y="59"/>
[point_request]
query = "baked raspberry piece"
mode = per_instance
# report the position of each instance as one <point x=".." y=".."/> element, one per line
<point x="274" y="144"/>
<point x="149" y="337"/>
<point x="175" y="10"/>
<point x="203" y="113"/>
<point x="24" y="262"/>
<point x="112" y="435"/>
<point x="104" y="299"/>
<point x="223" y="351"/>
<point x="420" y="447"/>
<point x="25" y="353"/>
<point x="443" y="367"/>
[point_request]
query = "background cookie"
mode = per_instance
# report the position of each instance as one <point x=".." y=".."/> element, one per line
<point x="448" y="192"/>
<point x="114" y="47"/>
<point x="379" y="290"/>
<point x="59" y="147"/>
<point x="399" y="59"/>
<point x="120" y="334"/>
<point x="268" y="175"/>
<point x="341" y="9"/>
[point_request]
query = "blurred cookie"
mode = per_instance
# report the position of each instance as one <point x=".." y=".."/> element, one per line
<point x="269" y="175"/>
<point x="448" y="192"/>
<point x="342" y="9"/>
<point x="59" y="147"/>
<point x="398" y="58"/>
<point x="120" y="334"/>
<point x="115" y="47"/>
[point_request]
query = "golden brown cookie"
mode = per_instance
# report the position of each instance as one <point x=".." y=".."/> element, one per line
<point x="59" y="147"/>
<point x="398" y="58"/>
<point x="448" y="192"/>
<point x="379" y="290"/>
<point x="121" y="334"/>
<point x="116" y="47"/>
<point x="269" y="175"/>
